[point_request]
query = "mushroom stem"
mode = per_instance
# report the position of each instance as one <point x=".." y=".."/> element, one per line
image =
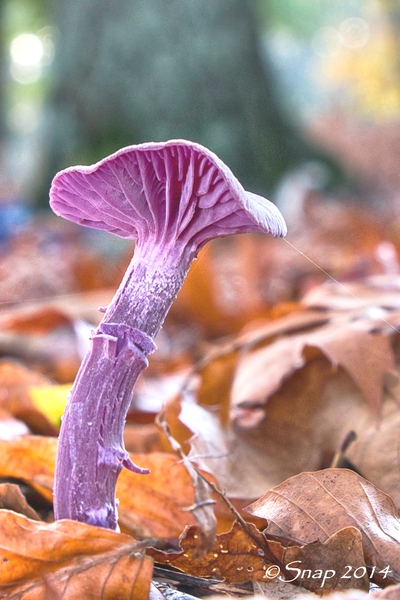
<point x="91" y="449"/>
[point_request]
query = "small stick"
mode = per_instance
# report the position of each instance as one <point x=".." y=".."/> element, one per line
<point x="340" y="455"/>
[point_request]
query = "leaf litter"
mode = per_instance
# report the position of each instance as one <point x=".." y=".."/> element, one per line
<point x="268" y="407"/>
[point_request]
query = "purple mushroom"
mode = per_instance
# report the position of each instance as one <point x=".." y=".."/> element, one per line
<point x="171" y="198"/>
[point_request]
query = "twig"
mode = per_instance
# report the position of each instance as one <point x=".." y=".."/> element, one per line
<point x="340" y="455"/>
<point x="260" y="541"/>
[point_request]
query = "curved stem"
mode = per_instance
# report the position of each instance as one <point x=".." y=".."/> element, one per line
<point x="91" y="451"/>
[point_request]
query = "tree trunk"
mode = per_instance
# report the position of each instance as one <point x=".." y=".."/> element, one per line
<point x="129" y="72"/>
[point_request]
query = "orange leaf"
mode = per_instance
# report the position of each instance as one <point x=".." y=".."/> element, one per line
<point x="15" y="383"/>
<point x="153" y="505"/>
<point x="235" y="557"/>
<point x="71" y="559"/>
<point x="38" y="321"/>
<point x="31" y="459"/>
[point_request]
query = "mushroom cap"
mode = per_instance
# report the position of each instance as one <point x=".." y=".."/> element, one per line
<point x="168" y="191"/>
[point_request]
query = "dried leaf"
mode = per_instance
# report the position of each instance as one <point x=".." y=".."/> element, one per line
<point x="392" y="592"/>
<point x="154" y="505"/>
<point x="378" y="292"/>
<point x="314" y="506"/>
<point x="31" y="459"/>
<point x="50" y="401"/>
<point x="73" y="559"/>
<point x="11" y="498"/>
<point x="15" y="383"/>
<point x="321" y="567"/>
<point x="235" y="557"/>
<point x="350" y="345"/>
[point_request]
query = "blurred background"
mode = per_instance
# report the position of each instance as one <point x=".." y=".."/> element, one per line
<point x="270" y="86"/>
<point x="300" y="98"/>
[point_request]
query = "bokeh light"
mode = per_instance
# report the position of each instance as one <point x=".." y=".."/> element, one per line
<point x="354" y="33"/>
<point x="27" y="52"/>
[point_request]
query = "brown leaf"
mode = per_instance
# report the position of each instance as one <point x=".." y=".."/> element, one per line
<point x="74" y="560"/>
<point x="392" y="592"/>
<point x="350" y="345"/>
<point x="216" y="380"/>
<point x="236" y="557"/>
<point x="378" y="291"/>
<point x="75" y="306"/>
<point x="314" y="506"/>
<point x="321" y="567"/>
<point x="12" y="498"/>
<point x="300" y="429"/>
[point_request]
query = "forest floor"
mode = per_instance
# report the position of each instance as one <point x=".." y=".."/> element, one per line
<point x="269" y="415"/>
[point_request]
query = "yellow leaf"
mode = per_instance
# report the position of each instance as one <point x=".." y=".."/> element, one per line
<point x="50" y="400"/>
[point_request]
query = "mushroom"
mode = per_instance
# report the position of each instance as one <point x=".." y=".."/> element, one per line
<point x="170" y="198"/>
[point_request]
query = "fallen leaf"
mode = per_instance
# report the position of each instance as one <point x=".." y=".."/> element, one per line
<point x="73" y="559"/>
<point x="15" y="383"/>
<point x="11" y="498"/>
<point x="344" y="342"/>
<point x="374" y="294"/>
<point x="30" y="459"/>
<point x="50" y="401"/>
<point x="299" y="385"/>
<point x="314" y="506"/>
<point x="236" y="557"/>
<point x="392" y="592"/>
<point x="321" y="567"/>
<point x="154" y="505"/>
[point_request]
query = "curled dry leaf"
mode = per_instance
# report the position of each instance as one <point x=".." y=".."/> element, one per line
<point x="12" y="498"/>
<point x="314" y="506"/>
<point x="295" y="387"/>
<point x="345" y="343"/>
<point x="72" y="559"/>
<point x="304" y="424"/>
